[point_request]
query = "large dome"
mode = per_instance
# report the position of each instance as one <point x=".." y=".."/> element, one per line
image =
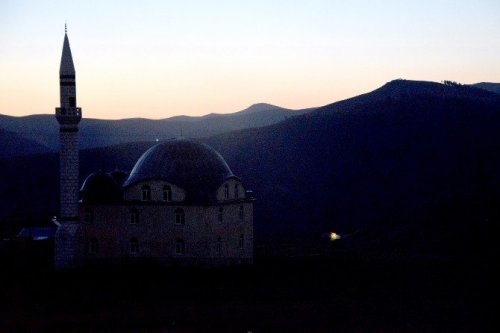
<point x="195" y="167"/>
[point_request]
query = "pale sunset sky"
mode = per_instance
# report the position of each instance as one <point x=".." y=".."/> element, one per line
<point x="157" y="59"/>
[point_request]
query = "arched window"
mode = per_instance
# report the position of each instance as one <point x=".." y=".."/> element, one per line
<point x="241" y="213"/>
<point x="236" y="191"/>
<point x="167" y="193"/>
<point x="180" y="216"/>
<point x="241" y="243"/>
<point x="220" y="216"/>
<point x="93" y="246"/>
<point x="218" y="246"/>
<point x="134" y="246"/>
<point x="146" y="193"/>
<point x="179" y="246"/>
<point x="134" y="216"/>
<point x="89" y="215"/>
<point x="226" y="191"/>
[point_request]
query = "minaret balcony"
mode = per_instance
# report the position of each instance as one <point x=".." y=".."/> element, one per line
<point x="71" y="115"/>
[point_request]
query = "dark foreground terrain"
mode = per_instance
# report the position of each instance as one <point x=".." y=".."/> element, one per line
<point x="338" y="292"/>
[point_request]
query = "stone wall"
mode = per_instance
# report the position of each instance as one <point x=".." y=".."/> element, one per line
<point x="68" y="173"/>
<point x="134" y="192"/>
<point x="68" y="246"/>
<point x="157" y="231"/>
<point x="234" y="189"/>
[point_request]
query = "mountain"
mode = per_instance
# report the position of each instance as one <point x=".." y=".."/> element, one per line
<point x="411" y="168"/>
<point x="100" y="133"/>
<point x="15" y="145"/>
<point x="493" y="87"/>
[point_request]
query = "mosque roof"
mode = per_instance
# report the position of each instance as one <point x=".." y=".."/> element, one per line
<point x="100" y="187"/>
<point x="194" y="167"/>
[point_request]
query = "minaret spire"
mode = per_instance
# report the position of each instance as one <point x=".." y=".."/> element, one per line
<point x="68" y="115"/>
<point x="65" y="28"/>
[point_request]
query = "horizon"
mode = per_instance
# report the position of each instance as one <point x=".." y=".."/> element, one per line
<point x="246" y="108"/>
<point x="158" y="60"/>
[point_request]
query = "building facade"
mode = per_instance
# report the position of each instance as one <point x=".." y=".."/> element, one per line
<point x="180" y="205"/>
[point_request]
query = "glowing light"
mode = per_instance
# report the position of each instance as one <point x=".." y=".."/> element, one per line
<point x="334" y="236"/>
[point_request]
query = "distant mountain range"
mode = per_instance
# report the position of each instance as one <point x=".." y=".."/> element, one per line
<point x="411" y="167"/>
<point x="13" y="144"/>
<point x="42" y="130"/>
<point x="493" y="87"/>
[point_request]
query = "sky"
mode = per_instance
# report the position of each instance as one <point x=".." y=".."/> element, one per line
<point x="157" y="59"/>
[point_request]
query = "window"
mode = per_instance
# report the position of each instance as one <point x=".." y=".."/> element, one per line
<point x="180" y="216"/>
<point x="146" y="193"/>
<point x="72" y="102"/>
<point x="218" y="246"/>
<point x="93" y="246"/>
<point x="226" y="191"/>
<point x="221" y="214"/>
<point x="89" y="215"/>
<point x="241" y="213"/>
<point x="236" y="191"/>
<point x="134" y="216"/>
<point x="167" y="193"/>
<point x="134" y="246"/>
<point x="241" y="242"/>
<point x="179" y="246"/>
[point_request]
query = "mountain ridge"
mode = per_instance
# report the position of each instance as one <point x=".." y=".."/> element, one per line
<point x="43" y="129"/>
<point x="411" y="168"/>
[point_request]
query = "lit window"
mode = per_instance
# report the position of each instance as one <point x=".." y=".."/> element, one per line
<point x="167" y="193"/>
<point x="221" y="214"/>
<point x="241" y="242"/>
<point x="89" y="215"/>
<point x="179" y="246"/>
<point x="241" y="213"/>
<point x="236" y="191"/>
<point x="134" y="216"/>
<point x="180" y="216"/>
<point x="226" y="191"/>
<point x="146" y="193"/>
<point x="93" y="246"/>
<point x="334" y="236"/>
<point x="134" y="246"/>
<point x="218" y="246"/>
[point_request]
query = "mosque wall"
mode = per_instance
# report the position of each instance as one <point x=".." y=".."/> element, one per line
<point x="159" y="231"/>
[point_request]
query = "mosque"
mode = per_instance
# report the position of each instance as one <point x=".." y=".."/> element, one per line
<point x="180" y="205"/>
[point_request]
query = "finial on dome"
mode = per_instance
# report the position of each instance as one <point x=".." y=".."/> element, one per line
<point x="65" y="27"/>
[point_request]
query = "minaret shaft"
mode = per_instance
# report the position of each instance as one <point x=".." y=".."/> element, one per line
<point x="67" y="243"/>
<point x="68" y="115"/>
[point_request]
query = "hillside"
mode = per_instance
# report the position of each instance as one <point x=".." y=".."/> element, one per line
<point x="43" y="129"/>
<point x="411" y="167"/>
<point x="13" y="144"/>
<point x="493" y="87"/>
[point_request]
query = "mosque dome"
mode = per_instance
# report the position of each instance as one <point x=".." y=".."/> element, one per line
<point x="100" y="187"/>
<point x="194" y="167"/>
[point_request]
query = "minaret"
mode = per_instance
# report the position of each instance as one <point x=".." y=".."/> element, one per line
<point x="68" y="116"/>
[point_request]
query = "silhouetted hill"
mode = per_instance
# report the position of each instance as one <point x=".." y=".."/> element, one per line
<point x="100" y="133"/>
<point x="411" y="168"/>
<point x="493" y="87"/>
<point x="13" y="144"/>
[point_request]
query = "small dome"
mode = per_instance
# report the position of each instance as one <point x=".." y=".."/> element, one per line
<point x="100" y="187"/>
<point x="195" y="167"/>
<point x="118" y="176"/>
